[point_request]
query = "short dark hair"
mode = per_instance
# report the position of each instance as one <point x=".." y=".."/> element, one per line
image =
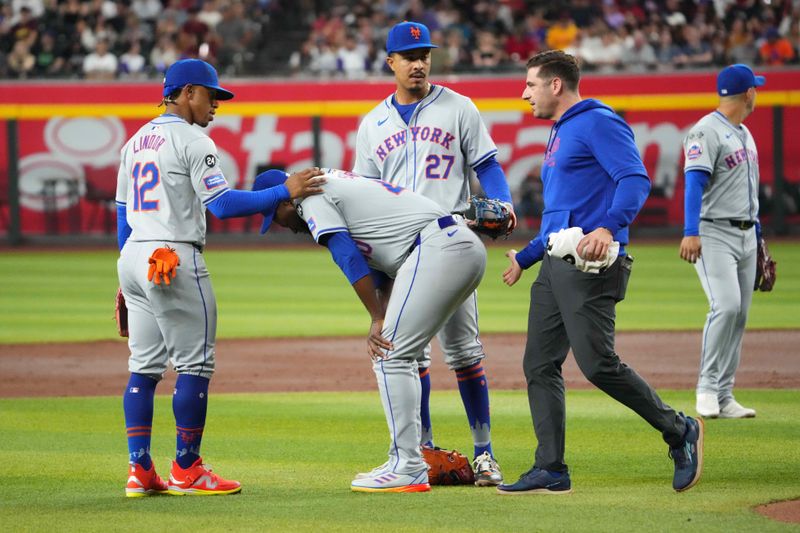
<point x="557" y="64"/>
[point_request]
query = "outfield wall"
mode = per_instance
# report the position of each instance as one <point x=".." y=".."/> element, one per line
<point x="69" y="134"/>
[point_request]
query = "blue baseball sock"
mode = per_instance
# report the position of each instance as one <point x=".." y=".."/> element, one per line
<point x="137" y="403"/>
<point x="189" y="404"/>
<point x="474" y="391"/>
<point x="425" y="406"/>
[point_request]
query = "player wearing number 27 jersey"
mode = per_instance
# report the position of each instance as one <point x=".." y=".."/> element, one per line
<point x="430" y="140"/>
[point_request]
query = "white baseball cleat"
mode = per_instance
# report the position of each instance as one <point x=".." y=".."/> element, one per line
<point x="707" y="405"/>
<point x="487" y="471"/>
<point x="733" y="409"/>
<point x="391" y="482"/>
<point x="374" y="472"/>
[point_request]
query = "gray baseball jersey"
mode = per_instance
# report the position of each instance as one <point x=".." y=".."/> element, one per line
<point x="726" y="266"/>
<point x="383" y="219"/>
<point x="729" y="153"/>
<point x="169" y="171"/>
<point x="433" y="154"/>
<point x="436" y="262"/>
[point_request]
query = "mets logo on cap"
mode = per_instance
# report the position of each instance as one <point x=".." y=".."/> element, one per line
<point x="408" y="36"/>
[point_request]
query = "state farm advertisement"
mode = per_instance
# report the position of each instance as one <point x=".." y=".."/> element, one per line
<point x="68" y="164"/>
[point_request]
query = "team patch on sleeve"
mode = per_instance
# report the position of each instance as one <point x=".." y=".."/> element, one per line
<point x="212" y="182"/>
<point x="694" y="151"/>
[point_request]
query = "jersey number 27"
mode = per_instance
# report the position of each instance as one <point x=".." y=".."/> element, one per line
<point x="145" y="178"/>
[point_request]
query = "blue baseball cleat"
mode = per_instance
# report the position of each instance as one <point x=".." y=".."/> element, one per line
<point x="538" y="481"/>
<point x="688" y="456"/>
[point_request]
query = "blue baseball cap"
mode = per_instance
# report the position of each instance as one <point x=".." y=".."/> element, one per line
<point x="408" y="36"/>
<point x="736" y="79"/>
<point x="266" y="180"/>
<point x="196" y="72"/>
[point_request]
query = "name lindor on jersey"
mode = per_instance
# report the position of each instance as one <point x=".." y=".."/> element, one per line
<point x="148" y="142"/>
<point x="418" y="133"/>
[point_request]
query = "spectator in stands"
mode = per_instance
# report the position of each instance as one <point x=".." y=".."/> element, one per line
<point x="132" y="62"/>
<point x="776" y="50"/>
<point x="667" y="49"/>
<point x="638" y="55"/>
<point x="236" y="33"/>
<point x="352" y="59"/>
<point x="21" y="61"/>
<point x="325" y="62"/>
<point x="25" y="28"/>
<point x="563" y="34"/>
<point x="741" y="43"/>
<point x="163" y="54"/>
<point x="148" y="10"/>
<point x="50" y="59"/>
<point x="100" y="64"/>
<point x="210" y="14"/>
<point x="458" y="56"/>
<point x="520" y="45"/>
<point x="487" y="54"/>
<point x="694" y="52"/>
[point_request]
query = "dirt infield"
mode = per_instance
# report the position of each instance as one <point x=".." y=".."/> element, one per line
<point x="665" y="359"/>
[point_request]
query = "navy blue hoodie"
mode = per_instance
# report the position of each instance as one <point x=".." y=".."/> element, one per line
<point x="593" y="177"/>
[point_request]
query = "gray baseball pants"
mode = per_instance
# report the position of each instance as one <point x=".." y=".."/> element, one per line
<point x="570" y="308"/>
<point x="727" y="271"/>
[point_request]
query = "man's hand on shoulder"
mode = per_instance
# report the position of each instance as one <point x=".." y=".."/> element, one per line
<point x="305" y="183"/>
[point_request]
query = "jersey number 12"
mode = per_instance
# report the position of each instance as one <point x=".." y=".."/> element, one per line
<point x="145" y="178"/>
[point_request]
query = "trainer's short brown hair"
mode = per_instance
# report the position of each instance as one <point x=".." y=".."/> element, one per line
<point x="557" y="64"/>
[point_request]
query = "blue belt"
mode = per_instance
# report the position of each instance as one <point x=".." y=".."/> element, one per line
<point x="741" y="224"/>
<point x="444" y="222"/>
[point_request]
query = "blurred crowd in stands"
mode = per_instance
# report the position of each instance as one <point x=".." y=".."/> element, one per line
<point x="107" y="39"/>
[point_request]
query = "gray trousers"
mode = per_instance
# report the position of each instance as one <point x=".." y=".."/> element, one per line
<point x="570" y="308"/>
<point x="727" y="270"/>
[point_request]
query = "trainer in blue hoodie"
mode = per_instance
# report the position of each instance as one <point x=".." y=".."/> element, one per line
<point x="594" y="179"/>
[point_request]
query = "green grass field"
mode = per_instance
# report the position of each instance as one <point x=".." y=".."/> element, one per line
<point x="68" y="296"/>
<point x="62" y="459"/>
<point x="62" y="464"/>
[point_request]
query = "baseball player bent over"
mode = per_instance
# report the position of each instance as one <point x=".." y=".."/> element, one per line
<point x="721" y="232"/>
<point x="594" y="181"/>
<point x="429" y="139"/>
<point x="423" y="262"/>
<point x="169" y="174"/>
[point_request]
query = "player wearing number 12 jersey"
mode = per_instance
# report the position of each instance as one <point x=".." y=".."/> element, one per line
<point x="430" y="139"/>
<point x="169" y="175"/>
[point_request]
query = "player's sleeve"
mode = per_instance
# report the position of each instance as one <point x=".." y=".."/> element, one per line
<point x="493" y="180"/>
<point x="236" y="203"/>
<point x="700" y="149"/>
<point x="346" y="254"/>
<point x="476" y="143"/>
<point x="206" y="175"/>
<point x="612" y="144"/>
<point x="696" y="181"/>
<point x="364" y="164"/>
<point x="532" y="253"/>
<point x="121" y="199"/>
<point x="322" y="216"/>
